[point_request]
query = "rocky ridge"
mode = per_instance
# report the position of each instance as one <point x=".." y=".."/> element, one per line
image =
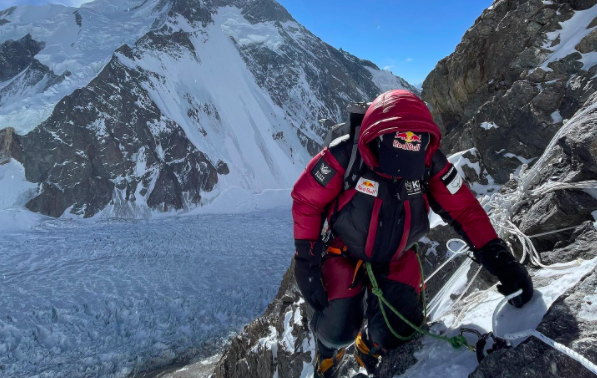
<point x="21" y="73"/>
<point x="519" y="72"/>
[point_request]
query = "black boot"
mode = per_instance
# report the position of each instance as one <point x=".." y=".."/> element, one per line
<point x="329" y="367"/>
<point x="367" y="354"/>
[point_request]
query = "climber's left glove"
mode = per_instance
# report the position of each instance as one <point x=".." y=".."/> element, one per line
<point x="307" y="271"/>
<point x="496" y="258"/>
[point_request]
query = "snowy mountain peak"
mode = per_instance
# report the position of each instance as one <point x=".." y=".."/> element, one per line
<point x="125" y="108"/>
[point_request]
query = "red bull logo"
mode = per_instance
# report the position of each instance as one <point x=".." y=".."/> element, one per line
<point x="369" y="187"/>
<point x="409" y="138"/>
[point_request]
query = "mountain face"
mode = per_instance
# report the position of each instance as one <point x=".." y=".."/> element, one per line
<point x="201" y="98"/>
<point x="519" y="89"/>
<point x="521" y="70"/>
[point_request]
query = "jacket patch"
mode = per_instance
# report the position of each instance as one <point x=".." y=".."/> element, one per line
<point x="323" y="172"/>
<point x="413" y="187"/>
<point x="368" y="187"/>
<point x="452" y="180"/>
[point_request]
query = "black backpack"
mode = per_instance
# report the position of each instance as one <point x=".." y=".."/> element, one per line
<point x="349" y="131"/>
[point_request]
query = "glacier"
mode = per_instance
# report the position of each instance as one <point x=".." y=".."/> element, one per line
<point x="114" y="297"/>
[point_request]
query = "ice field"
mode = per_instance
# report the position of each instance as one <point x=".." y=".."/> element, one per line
<point x="112" y="297"/>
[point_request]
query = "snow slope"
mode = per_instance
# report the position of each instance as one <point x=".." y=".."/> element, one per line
<point x="569" y="36"/>
<point x="83" y="299"/>
<point x="246" y="119"/>
<point x="81" y="49"/>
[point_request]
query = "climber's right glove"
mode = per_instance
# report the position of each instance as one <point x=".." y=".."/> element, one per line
<point x="307" y="271"/>
<point x="496" y="258"/>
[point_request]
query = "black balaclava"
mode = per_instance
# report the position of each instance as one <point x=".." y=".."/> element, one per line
<point x="402" y="154"/>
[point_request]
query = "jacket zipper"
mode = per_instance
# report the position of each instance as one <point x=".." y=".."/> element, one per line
<point x="405" y="231"/>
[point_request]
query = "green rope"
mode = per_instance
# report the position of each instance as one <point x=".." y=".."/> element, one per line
<point x="455" y="341"/>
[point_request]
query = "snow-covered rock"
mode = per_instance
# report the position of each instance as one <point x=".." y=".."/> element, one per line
<point x="519" y="72"/>
<point x="128" y="108"/>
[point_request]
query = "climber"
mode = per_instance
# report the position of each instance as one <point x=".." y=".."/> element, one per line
<point x="378" y="219"/>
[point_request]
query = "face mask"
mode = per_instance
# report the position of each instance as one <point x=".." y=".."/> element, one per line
<point x="403" y="153"/>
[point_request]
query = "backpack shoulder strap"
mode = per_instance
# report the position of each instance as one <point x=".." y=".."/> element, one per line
<point x="354" y="163"/>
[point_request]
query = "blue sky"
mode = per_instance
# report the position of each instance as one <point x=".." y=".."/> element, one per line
<point x="407" y="37"/>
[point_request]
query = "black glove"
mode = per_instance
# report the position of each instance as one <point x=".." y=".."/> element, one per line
<point x="496" y="258"/>
<point x="307" y="271"/>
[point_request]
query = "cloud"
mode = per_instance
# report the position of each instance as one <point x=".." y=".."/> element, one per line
<point x="388" y="68"/>
<point x="408" y="60"/>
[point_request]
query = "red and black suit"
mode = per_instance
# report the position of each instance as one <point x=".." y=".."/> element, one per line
<point x="378" y="220"/>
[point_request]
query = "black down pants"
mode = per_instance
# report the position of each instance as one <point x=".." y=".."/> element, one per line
<point x="339" y="323"/>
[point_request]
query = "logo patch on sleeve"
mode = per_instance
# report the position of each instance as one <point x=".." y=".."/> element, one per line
<point x="369" y="187"/>
<point x="452" y="180"/>
<point x="323" y="172"/>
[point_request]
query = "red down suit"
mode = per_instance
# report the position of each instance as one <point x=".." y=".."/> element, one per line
<point x="380" y="218"/>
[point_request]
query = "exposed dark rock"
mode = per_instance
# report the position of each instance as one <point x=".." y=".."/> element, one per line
<point x="588" y="43"/>
<point x="78" y="18"/>
<point x="7" y="12"/>
<point x="9" y="146"/>
<point x="3" y="21"/>
<point x="266" y="10"/>
<point x="29" y="80"/>
<point x="582" y="4"/>
<point x="566" y="322"/>
<point x="194" y="12"/>
<point x="572" y="159"/>
<point x="28" y="75"/>
<point x="15" y="56"/>
<point x="222" y="168"/>
<point x="86" y="156"/>
<point x="397" y="361"/>
<point x="173" y="43"/>
<point x="557" y="210"/>
<point x="568" y="65"/>
<point x="494" y="76"/>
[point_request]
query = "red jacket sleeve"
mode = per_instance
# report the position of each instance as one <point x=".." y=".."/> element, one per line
<point x="451" y="199"/>
<point x="317" y="187"/>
